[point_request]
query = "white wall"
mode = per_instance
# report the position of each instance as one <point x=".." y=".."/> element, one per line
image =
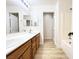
<point x="37" y="14"/>
<point x="56" y="27"/>
<point x="7" y="22"/>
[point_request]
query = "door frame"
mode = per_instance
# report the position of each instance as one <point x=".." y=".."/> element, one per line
<point x="43" y="24"/>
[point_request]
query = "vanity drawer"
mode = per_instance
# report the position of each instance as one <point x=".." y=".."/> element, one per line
<point x="19" y="51"/>
<point x="34" y="42"/>
<point x="33" y="52"/>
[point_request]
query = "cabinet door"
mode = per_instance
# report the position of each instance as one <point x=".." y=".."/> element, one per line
<point x="38" y="40"/>
<point x="27" y="54"/>
<point x="34" y="46"/>
<point x="21" y="57"/>
<point x="34" y="51"/>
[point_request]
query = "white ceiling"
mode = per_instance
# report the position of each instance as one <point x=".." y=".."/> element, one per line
<point x="11" y="2"/>
<point x="33" y="2"/>
<point x="43" y="2"/>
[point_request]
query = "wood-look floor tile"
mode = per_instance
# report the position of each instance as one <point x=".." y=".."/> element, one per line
<point x="49" y="51"/>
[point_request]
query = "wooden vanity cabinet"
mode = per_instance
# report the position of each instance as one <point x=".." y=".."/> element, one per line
<point x="27" y="50"/>
<point x="21" y="57"/>
<point x="17" y="53"/>
<point x="38" y="41"/>
<point x="26" y="54"/>
<point x="33" y="46"/>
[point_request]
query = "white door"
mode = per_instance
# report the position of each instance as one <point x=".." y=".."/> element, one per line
<point x="14" y="23"/>
<point x="48" y="25"/>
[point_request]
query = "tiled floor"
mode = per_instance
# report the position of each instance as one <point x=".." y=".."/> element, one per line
<point x="49" y="51"/>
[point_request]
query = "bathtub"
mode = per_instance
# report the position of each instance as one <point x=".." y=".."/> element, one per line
<point x="67" y="46"/>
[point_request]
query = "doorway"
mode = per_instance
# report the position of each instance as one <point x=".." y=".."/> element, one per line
<point x="48" y="25"/>
<point x="14" y="22"/>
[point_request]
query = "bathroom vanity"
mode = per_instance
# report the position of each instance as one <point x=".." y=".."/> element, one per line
<point x="25" y="49"/>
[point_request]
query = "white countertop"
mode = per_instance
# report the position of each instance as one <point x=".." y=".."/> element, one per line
<point x="15" y="40"/>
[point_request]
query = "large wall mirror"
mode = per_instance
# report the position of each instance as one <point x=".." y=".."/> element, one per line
<point x="13" y="23"/>
<point x="27" y="20"/>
